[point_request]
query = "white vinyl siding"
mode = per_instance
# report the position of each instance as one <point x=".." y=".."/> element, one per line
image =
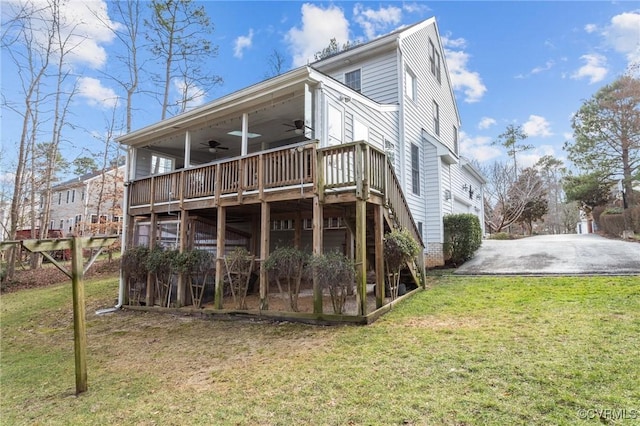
<point x="378" y="76"/>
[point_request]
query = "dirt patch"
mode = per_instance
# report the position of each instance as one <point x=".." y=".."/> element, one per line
<point x="49" y="275"/>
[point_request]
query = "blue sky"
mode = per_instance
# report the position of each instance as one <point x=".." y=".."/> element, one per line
<point x="524" y="63"/>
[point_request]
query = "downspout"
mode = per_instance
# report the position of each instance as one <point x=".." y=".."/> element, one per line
<point x="125" y="222"/>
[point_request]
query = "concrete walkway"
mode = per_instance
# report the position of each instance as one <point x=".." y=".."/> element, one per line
<point x="555" y="254"/>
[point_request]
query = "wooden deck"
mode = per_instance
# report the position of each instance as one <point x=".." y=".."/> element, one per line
<point x="338" y="174"/>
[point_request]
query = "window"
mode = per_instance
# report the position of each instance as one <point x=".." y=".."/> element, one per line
<point x="436" y="118"/>
<point x="352" y="79"/>
<point x="94" y="218"/>
<point x="61" y="224"/>
<point x="415" y="169"/>
<point x="78" y="219"/>
<point x="432" y="57"/>
<point x="420" y="230"/>
<point x="455" y="139"/>
<point x="68" y="194"/>
<point x="161" y="164"/>
<point x="410" y="85"/>
<point x="73" y="196"/>
<point x="434" y="61"/>
<point x="59" y="198"/>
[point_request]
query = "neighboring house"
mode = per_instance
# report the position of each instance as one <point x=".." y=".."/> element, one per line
<point x="89" y="205"/>
<point x="325" y="157"/>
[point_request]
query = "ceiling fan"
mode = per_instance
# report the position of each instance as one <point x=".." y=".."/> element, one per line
<point x="213" y="146"/>
<point x="297" y="126"/>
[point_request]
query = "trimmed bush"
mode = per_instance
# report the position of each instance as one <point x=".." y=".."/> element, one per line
<point x="462" y="236"/>
<point x="612" y="223"/>
<point x="336" y="273"/>
<point x="399" y="248"/>
<point x="287" y="266"/>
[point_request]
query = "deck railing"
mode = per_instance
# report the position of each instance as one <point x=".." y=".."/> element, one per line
<point x="355" y="166"/>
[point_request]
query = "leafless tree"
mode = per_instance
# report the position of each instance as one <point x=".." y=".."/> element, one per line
<point x="177" y="37"/>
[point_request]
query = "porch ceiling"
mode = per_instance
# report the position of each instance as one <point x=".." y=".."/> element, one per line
<point x="271" y="116"/>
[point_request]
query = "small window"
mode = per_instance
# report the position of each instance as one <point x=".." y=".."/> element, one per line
<point x="78" y="219"/>
<point x="438" y="70"/>
<point x="415" y="169"/>
<point x="420" y="230"/>
<point x="73" y="196"/>
<point x="61" y="224"/>
<point x="436" y="118"/>
<point x="352" y="80"/>
<point x="410" y="85"/>
<point x="432" y="57"/>
<point x="455" y="139"/>
<point x="59" y="198"/>
<point x="68" y="194"/>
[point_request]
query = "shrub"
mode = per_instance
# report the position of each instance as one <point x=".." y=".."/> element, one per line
<point x="337" y="273"/>
<point x="239" y="265"/>
<point x="399" y="248"/>
<point x="612" y="223"/>
<point x="287" y="266"/>
<point x="462" y="236"/>
<point x="134" y="263"/>
<point x="501" y="236"/>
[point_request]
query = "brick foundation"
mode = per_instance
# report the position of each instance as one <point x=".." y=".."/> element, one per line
<point x="434" y="256"/>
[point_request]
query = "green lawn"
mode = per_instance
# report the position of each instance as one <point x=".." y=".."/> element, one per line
<point x="491" y="350"/>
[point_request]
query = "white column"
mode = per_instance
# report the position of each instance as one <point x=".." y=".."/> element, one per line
<point x="245" y="134"/>
<point x="187" y="149"/>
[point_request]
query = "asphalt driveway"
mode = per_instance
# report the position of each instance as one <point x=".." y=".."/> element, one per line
<point x="555" y="254"/>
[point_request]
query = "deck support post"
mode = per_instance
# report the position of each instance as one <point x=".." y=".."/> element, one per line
<point x="318" y="221"/>
<point x="151" y="279"/>
<point x="220" y="250"/>
<point x="181" y="292"/>
<point x="361" y="256"/>
<point x="378" y="230"/>
<point x="265" y="230"/>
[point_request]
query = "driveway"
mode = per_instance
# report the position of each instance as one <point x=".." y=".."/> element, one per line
<point x="555" y="254"/>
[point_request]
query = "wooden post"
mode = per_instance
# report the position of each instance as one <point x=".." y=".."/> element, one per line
<point x="220" y="249"/>
<point x="361" y="256"/>
<point x="318" y="221"/>
<point x="151" y="278"/>
<point x="79" y="328"/>
<point x="265" y="230"/>
<point x="378" y="230"/>
<point x="181" y="292"/>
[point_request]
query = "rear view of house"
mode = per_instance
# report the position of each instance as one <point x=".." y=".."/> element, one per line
<point x="326" y="157"/>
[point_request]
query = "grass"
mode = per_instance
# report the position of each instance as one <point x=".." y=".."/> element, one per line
<point x="489" y="350"/>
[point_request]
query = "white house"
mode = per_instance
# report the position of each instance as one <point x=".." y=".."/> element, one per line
<point x="328" y="156"/>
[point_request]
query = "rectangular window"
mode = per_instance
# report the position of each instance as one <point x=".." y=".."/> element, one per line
<point x="436" y="118"/>
<point x="61" y="224"/>
<point x="352" y="80"/>
<point x="94" y="218"/>
<point x="438" y="70"/>
<point x="432" y="57"/>
<point x="420" y="230"/>
<point x="161" y="164"/>
<point x="59" y="198"/>
<point x="73" y="196"/>
<point x="415" y="169"/>
<point x="68" y="194"/>
<point x="455" y="139"/>
<point x="78" y="219"/>
<point x="410" y="85"/>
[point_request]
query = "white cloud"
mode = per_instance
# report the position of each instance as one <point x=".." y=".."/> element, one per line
<point x="546" y="67"/>
<point x="415" y="8"/>
<point x="374" y="22"/>
<point x="96" y="94"/>
<point x="241" y="43"/>
<point x="537" y="126"/>
<point x="590" y="28"/>
<point x="486" y="122"/>
<point x="479" y="147"/>
<point x="319" y="26"/>
<point x="624" y="35"/>
<point x="469" y="82"/>
<point x="530" y="158"/>
<point x="595" y="68"/>
<point x="84" y="29"/>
